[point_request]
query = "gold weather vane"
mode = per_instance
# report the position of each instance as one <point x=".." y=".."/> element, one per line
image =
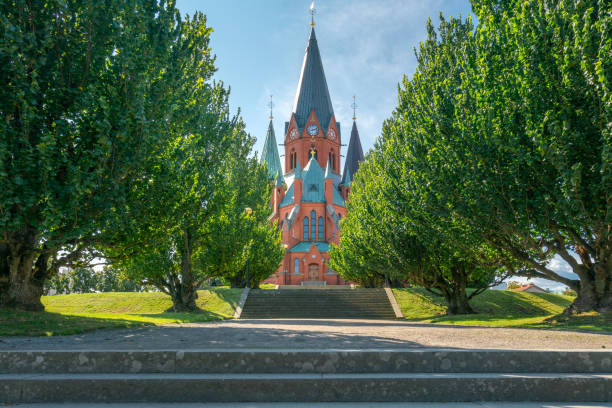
<point x="271" y="105"/>
<point x="354" y="106"/>
<point x="313" y="10"/>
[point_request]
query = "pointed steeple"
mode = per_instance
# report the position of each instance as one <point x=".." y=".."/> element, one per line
<point x="312" y="92"/>
<point x="270" y="156"/>
<point x="328" y="173"/>
<point x="354" y="156"/>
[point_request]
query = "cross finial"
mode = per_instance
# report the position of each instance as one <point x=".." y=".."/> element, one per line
<point x="354" y="106"/>
<point x="271" y="105"/>
<point x="312" y="13"/>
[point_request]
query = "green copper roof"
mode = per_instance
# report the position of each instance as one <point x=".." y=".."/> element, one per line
<point x="305" y="246"/>
<point x="313" y="183"/>
<point x="288" y="198"/>
<point x="337" y="198"/>
<point x="354" y="156"/>
<point x="312" y="92"/>
<point x="270" y="156"/>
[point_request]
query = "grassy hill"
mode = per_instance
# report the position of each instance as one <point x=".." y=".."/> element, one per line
<point x="71" y="314"/>
<point x="500" y="308"/>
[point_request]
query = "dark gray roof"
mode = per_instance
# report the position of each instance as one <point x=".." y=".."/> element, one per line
<point x="269" y="155"/>
<point x="354" y="156"/>
<point x="312" y="92"/>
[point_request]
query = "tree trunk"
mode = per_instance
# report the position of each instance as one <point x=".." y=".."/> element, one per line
<point x="593" y="295"/>
<point x="184" y="298"/>
<point x="456" y="295"/>
<point x="458" y="303"/>
<point x="24" y="286"/>
<point x="23" y="271"/>
<point x="594" y="289"/>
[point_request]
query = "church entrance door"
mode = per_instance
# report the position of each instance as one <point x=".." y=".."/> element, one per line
<point x="313" y="272"/>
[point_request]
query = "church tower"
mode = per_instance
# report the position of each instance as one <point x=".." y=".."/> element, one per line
<point x="309" y="202"/>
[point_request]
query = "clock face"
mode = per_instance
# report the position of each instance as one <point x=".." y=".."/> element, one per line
<point x="312" y="130"/>
<point x="293" y="135"/>
<point x="331" y="134"/>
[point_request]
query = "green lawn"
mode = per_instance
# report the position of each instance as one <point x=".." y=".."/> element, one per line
<point x="72" y="314"/>
<point x="500" y="308"/>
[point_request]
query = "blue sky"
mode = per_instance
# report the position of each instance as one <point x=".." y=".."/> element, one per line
<point x="366" y="45"/>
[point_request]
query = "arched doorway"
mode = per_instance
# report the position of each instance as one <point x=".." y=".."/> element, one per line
<point x="313" y="272"/>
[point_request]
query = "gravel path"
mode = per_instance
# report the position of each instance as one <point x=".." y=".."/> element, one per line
<point x="313" y="334"/>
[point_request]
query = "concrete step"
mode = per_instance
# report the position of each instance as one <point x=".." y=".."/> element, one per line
<point x="318" y="303"/>
<point x="307" y="361"/>
<point x="383" y="387"/>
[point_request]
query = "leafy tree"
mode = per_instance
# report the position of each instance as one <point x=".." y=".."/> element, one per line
<point x="88" y="280"/>
<point x="83" y="102"/>
<point x="381" y="238"/>
<point x="165" y="236"/>
<point x="234" y="236"/>
<point x="533" y="167"/>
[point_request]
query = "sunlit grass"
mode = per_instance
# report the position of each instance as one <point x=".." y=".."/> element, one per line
<point x="73" y="314"/>
<point x="497" y="308"/>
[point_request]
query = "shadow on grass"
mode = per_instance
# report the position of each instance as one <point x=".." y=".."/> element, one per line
<point x="596" y="322"/>
<point x="230" y="296"/>
<point x="19" y="323"/>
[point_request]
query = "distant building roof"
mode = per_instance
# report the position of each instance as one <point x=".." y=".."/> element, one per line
<point x="305" y="246"/>
<point x="530" y="287"/>
<point x="312" y="92"/>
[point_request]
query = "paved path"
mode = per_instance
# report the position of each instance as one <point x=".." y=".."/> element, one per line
<point x="332" y="405"/>
<point x="313" y="334"/>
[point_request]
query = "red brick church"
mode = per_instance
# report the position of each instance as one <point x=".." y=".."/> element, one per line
<point x="308" y="202"/>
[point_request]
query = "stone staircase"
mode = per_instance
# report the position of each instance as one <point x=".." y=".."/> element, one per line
<point x="317" y="304"/>
<point x="224" y="375"/>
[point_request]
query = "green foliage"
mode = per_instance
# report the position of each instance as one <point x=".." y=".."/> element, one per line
<point x="233" y="236"/>
<point x="389" y="229"/>
<point x="186" y="221"/>
<point x="499" y="153"/>
<point x="513" y="285"/>
<point x="86" y="89"/>
<point x="532" y="170"/>
<point x="87" y="280"/>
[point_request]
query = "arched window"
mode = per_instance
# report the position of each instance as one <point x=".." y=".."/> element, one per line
<point x="321" y="229"/>
<point x="291" y="161"/>
<point x="329" y="159"/>
<point x="333" y="161"/>
<point x="313" y="225"/>
<point x="296" y="267"/>
<point x="305" y="228"/>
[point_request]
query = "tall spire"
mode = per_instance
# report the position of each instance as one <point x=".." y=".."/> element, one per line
<point x="270" y="156"/>
<point x="312" y="92"/>
<point x="354" y="156"/>
<point x="312" y="13"/>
